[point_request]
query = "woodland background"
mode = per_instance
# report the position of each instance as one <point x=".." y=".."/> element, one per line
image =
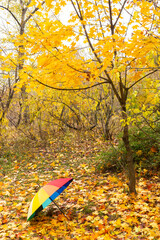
<point x="79" y="97"/>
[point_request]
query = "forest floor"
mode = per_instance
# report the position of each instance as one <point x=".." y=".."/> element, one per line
<point x="98" y="205"/>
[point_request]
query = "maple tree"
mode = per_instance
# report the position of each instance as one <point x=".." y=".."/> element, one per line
<point x="110" y="42"/>
<point x="13" y="60"/>
<point x="115" y="42"/>
<point x="76" y="73"/>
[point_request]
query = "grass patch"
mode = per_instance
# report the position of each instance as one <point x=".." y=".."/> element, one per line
<point x="89" y="207"/>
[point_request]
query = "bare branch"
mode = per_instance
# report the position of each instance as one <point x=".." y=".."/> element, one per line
<point x="11" y="14"/>
<point x="78" y="13"/>
<point x="119" y="13"/>
<point x="111" y="20"/>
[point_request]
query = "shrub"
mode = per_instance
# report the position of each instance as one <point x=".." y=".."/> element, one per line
<point x="146" y="148"/>
<point x="146" y="152"/>
<point x="111" y="160"/>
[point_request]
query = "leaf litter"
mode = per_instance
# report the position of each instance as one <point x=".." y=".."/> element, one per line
<point x="97" y="205"/>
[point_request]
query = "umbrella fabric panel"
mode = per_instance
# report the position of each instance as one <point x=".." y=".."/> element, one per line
<point x="30" y="210"/>
<point x="35" y="213"/>
<point x="46" y="203"/>
<point x="31" y="214"/>
<point x="60" y="182"/>
<point x="58" y="192"/>
<point x="40" y="197"/>
<point x="63" y="187"/>
<point x="50" y="189"/>
<point x="29" y="218"/>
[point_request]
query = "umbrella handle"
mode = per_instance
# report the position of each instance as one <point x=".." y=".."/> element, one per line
<point x="60" y="209"/>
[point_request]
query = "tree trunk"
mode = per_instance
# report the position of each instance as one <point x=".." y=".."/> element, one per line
<point x="129" y="157"/>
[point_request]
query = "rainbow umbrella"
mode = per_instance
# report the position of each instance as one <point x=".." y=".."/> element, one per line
<point x="46" y="195"/>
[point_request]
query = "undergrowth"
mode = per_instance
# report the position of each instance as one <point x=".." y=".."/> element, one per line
<point x="146" y="152"/>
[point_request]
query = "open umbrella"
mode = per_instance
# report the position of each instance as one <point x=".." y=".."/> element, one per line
<point x="46" y="195"/>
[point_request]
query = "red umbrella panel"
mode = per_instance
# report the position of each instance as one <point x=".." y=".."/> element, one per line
<point x="46" y="195"/>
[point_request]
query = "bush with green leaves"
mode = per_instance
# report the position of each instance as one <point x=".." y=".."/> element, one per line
<point x="111" y="160"/>
<point x="145" y="145"/>
<point x="146" y="148"/>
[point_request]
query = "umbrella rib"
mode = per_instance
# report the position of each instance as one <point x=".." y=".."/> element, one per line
<point x="60" y="209"/>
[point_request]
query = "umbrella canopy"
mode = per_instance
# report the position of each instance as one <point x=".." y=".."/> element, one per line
<point x="46" y="195"/>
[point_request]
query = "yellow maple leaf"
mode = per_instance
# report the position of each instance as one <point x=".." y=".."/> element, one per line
<point x="1" y="208"/>
<point x="34" y="166"/>
<point x="154" y="225"/>
<point x="89" y="218"/>
<point x="49" y="3"/>
<point x="118" y="222"/>
<point x="53" y="164"/>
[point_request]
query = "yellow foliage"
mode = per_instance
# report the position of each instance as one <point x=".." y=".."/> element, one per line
<point x="139" y="153"/>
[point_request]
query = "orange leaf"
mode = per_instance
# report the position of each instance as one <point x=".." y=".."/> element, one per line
<point x="153" y="149"/>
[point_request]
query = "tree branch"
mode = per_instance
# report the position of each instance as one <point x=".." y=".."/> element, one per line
<point x="111" y="20"/>
<point x="142" y="78"/>
<point x="85" y="31"/>
<point x="119" y="13"/>
<point x="78" y="14"/>
<point x="34" y="11"/>
<point x="11" y="14"/>
<point x="65" y="89"/>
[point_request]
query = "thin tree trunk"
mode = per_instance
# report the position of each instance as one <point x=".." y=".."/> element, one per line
<point x="129" y="157"/>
